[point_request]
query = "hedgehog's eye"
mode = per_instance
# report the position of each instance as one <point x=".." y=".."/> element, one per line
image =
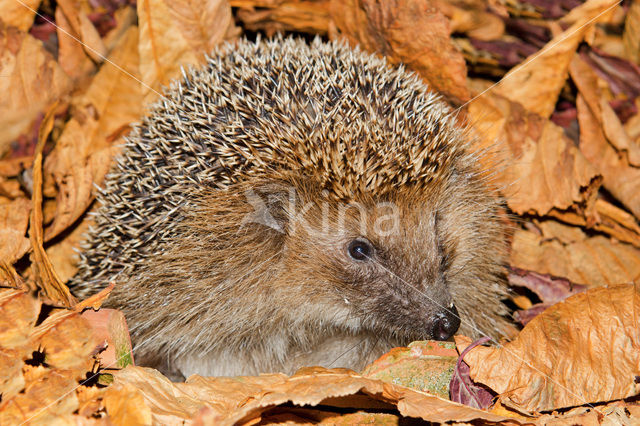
<point x="360" y="249"/>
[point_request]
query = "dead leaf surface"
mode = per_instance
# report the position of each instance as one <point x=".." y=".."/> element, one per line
<point x="414" y="33"/>
<point x="234" y="402"/>
<point x="83" y="153"/>
<point x="593" y="261"/>
<point x="584" y="349"/>
<point x="175" y="34"/>
<point x="536" y="82"/>
<point x="31" y="79"/>
<point x="544" y="169"/>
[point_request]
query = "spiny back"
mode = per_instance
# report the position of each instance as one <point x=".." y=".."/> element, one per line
<point x="268" y="108"/>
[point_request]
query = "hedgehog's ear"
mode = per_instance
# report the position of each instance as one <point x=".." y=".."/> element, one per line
<point x="269" y="205"/>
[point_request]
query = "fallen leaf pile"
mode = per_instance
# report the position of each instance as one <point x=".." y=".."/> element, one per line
<point x="552" y="90"/>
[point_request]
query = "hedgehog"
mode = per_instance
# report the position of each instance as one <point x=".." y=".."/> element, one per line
<point x="292" y="204"/>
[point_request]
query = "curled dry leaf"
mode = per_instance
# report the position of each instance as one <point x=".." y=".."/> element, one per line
<point x="549" y="289"/>
<point x="585" y="349"/>
<point x="414" y="33"/>
<point x="44" y="274"/>
<point x="536" y="82"/>
<point x="82" y="155"/>
<point x="126" y="405"/>
<point x="31" y="79"/>
<point x="426" y="366"/>
<point x="542" y="168"/>
<point x="245" y="399"/>
<point x="593" y="261"/>
<point x="175" y="34"/>
<point x="463" y="389"/>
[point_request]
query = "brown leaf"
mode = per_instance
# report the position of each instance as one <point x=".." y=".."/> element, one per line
<point x="588" y="83"/>
<point x="83" y="29"/>
<point x="543" y="169"/>
<point x="48" y="400"/>
<point x="175" y="34"/>
<point x="622" y="180"/>
<point x="11" y="378"/>
<point x="62" y="253"/>
<point x="31" y="79"/>
<point x="631" y="30"/>
<point x="233" y="400"/>
<point x="18" y="314"/>
<point x="593" y="261"/>
<point x="71" y="55"/>
<point x="67" y="340"/>
<point x="126" y="406"/>
<point x="14" y="218"/>
<point x="472" y="19"/>
<point x="583" y="350"/>
<point x="45" y="275"/>
<point x="536" y="82"/>
<point x="274" y="16"/>
<point x="82" y="155"/>
<point x="414" y="33"/>
<point x="19" y="14"/>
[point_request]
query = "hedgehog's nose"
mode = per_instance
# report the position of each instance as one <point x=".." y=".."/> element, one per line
<point x="446" y="324"/>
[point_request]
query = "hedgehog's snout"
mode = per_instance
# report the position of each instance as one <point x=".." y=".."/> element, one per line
<point x="446" y="323"/>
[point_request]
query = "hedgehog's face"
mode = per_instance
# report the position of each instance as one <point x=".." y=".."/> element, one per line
<point x="392" y="264"/>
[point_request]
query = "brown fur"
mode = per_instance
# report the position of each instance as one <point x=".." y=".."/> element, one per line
<point x="220" y="271"/>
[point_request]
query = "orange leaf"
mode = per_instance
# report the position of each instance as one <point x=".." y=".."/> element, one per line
<point x="585" y="349"/>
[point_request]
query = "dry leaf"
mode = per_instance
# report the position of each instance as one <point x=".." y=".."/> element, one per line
<point x="414" y="33"/>
<point x="48" y="400"/>
<point x="31" y="79"/>
<point x="175" y="34"/>
<point x="83" y="29"/>
<point x="426" y="366"/>
<point x="18" y="314"/>
<point x="622" y="180"/>
<point x="14" y="218"/>
<point x="126" y="406"/>
<point x="44" y="274"/>
<point x="19" y="14"/>
<point x="631" y="30"/>
<point x="273" y="16"/>
<point x="63" y="253"/>
<point x="536" y="82"/>
<point x="583" y="350"/>
<point x="82" y="155"/>
<point x="588" y="84"/>
<point x="71" y="55"/>
<point x="67" y="340"/>
<point x="543" y="169"/>
<point x="246" y="399"/>
<point x="472" y="19"/>
<point x="593" y="261"/>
